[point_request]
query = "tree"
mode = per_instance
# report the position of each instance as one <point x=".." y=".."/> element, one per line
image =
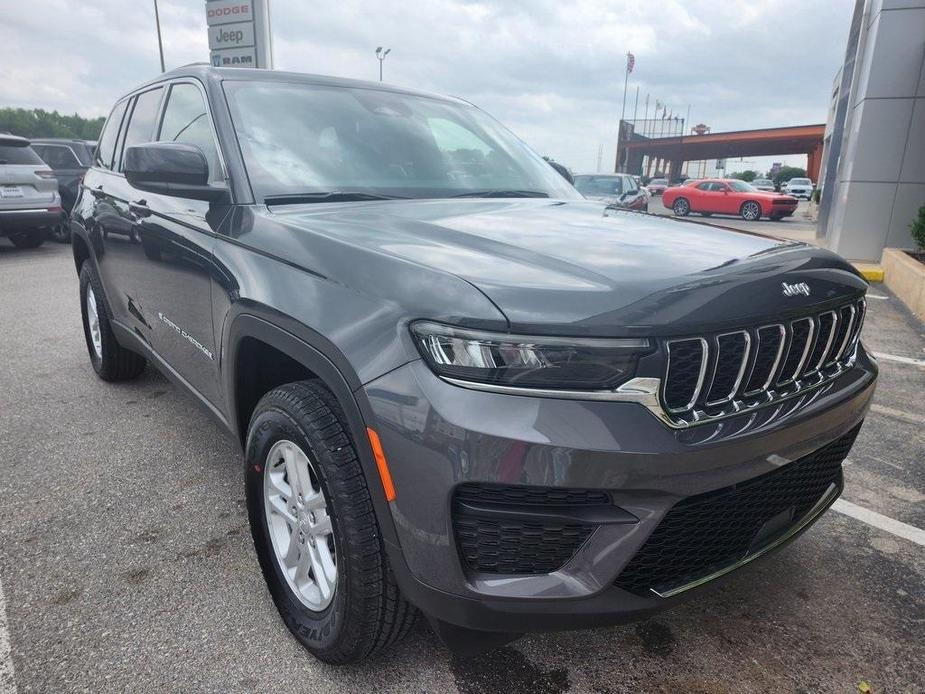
<point x="788" y="172"/>
<point x="918" y="229"/>
<point x="748" y="175"/>
<point x="37" y="122"/>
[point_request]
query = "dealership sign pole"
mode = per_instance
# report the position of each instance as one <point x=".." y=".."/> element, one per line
<point x="239" y="33"/>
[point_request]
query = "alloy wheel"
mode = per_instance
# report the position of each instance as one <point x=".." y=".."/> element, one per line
<point x="300" y="526"/>
<point x="93" y="322"/>
<point x="751" y="211"/>
<point x="681" y="207"/>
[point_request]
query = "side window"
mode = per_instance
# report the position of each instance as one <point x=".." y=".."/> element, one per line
<point x="705" y="186"/>
<point x="186" y="120"/>
<point x="629" y="185"/>
<point x="107" y="144"/>
<point x="141" y="124"/>
<point x="59" y="157"/>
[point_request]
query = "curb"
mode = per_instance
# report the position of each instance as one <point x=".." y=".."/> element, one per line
<point x="872" y="272"/>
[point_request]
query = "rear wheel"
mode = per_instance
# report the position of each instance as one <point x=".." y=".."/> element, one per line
<point x="750" y="211"/>
<point x="681" y="207"/>
<point x="27" y="239"/>
<point x="314" y="528"/>
<point x="61" y="232"/>
<point x="706" y="214"/>
<point x="110" y="360"/>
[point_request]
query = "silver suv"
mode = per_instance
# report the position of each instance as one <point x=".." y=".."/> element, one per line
<point x="29" y="199"/>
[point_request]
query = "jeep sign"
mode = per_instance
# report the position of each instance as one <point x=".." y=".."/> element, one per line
<point x="239" y="33"/>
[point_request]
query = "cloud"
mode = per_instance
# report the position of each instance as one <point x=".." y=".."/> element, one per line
<point x="551" y="71"/>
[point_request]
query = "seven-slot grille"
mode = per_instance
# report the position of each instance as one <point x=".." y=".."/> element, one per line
<point x="758" y="364"/>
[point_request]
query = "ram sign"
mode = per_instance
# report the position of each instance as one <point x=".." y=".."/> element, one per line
<point x="239" y="33"/>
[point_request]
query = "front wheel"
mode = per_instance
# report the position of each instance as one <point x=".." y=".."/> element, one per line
<point x="750" y="211"/>
<point x="314" y="528"/>
<point x="681" y="207"/>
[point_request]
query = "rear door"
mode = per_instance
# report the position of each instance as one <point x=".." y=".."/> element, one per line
<point x="172" y="260"/>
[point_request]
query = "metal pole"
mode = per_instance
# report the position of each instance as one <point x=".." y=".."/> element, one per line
<point x="636" y="108"/>
<point x="619" y="163"/>
<point x="160" y="45"/>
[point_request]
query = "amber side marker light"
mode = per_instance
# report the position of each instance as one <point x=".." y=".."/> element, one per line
<point x="383" y="466"/>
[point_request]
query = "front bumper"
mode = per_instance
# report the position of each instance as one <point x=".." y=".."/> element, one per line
<point x="438" y="436"/>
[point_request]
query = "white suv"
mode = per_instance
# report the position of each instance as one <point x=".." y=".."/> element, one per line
<point x="29" y="200"/>
<point x="798" y="188"/>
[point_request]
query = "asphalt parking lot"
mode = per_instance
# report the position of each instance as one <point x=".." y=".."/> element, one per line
<point x="126" y="562"/>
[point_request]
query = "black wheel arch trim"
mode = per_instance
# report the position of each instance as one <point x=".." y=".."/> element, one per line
<point x="332" y="369"/>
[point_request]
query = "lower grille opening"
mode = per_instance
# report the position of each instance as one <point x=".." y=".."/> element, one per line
<point x="492" y="539"/>
<point x="708" y="532"/>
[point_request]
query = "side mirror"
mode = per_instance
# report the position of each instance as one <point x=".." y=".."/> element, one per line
<point x="171" y="168"/>
<point x="563" y="171"/>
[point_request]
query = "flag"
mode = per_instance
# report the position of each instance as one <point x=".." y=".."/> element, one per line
<point x="630" y="62"/>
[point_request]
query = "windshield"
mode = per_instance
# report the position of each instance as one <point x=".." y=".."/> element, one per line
<point x="323" y="139"/>
<point x="740" y="186"/>
<point x="599" y="185"/>
<point x="19" y="154"/>
<point x="762" y="182"/>
<point x="658" y="182"/>
<point x="800" y="182"/>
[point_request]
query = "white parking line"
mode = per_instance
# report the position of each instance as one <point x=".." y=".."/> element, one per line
<point x="910" y="417"/>
<point x="7" y="677"/>
<point x="877" y="520"/>
<point x="902" y="360"/>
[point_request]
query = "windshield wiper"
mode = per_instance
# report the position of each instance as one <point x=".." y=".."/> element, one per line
<point x="502" y="194"/>
<point x="328" y="196"/>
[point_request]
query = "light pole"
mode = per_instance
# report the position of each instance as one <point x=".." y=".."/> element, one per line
<point x="160" y="45"/>
<point x="381" y="54"/>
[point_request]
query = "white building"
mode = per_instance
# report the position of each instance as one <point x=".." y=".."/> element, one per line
<point x="873" y="174"/>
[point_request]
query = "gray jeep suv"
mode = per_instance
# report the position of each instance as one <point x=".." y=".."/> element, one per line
<point x="460" y="388"/>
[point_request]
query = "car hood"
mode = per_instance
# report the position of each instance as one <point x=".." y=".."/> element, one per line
<point x="577" y="268"/>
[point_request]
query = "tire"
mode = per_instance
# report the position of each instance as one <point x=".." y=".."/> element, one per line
<point x="706" y="214"/>
<point x="681" y="207"/>
<point x="301" y="426"/>
<point x="27" y="239"/>
<point x="750" y="211"/>
<point x="61" y="232"/>
<point x="775" y="218"/>
<point x="110" y="360"/>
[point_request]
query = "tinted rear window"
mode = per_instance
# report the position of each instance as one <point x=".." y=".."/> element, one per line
<point x="10" y="154"/>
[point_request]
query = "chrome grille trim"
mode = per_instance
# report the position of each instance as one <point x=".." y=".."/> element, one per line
<point x="780" y="353"/>
<point x="741" y="373"/>
<point x="813" y="368"/>
<point x="830" y="360"/>
<point x="806" y="349"/>
<point x="704" y="359"/>
<point x="844" y="343"/>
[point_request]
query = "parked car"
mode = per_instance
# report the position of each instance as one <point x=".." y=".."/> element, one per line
<point x="616" y="190"/>
<point x="69" y="159"/>
<point x="765" y="185"/>
<point x="798" y="188"/>
<point x="657" y="186"/>
<point x="458" y="386"/>
<point x="29" y="200"/>
<point x="728" y="196"/>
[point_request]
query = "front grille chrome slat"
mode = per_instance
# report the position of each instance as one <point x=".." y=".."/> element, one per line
<point x="729" y="367"/>
<point x="709" y="377"/>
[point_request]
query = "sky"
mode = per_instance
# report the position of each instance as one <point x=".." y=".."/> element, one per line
<point x="551" y="71"/>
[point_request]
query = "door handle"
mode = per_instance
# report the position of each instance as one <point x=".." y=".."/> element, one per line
<point x="139" y="208"/>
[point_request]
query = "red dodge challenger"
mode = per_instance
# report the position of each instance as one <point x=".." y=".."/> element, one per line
<point x="728" y="196"/>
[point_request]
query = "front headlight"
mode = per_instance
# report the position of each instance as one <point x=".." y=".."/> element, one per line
<point x="560" y="363"/>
